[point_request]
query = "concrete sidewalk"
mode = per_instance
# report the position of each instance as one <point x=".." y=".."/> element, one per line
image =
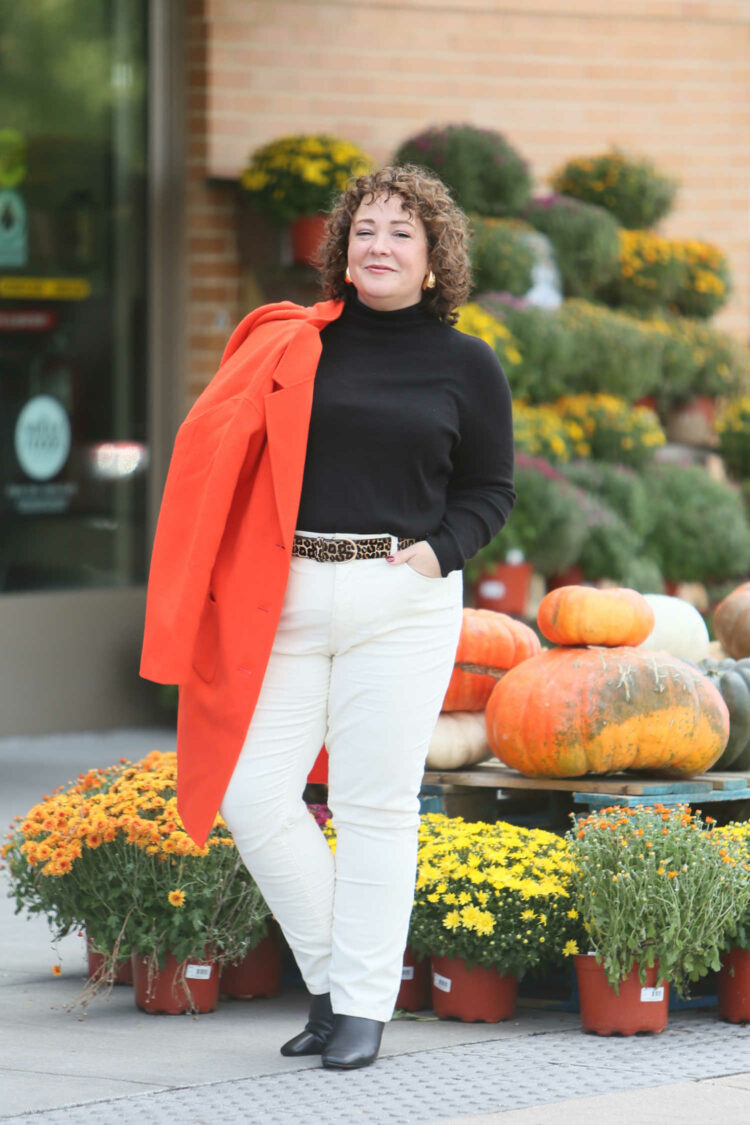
<point x="119" y="1065"/>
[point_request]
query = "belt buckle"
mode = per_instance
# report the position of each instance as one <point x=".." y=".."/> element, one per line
<point x="350" y="543"/>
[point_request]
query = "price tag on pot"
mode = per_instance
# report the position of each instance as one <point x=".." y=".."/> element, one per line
<point x="407" y="972"/>
<point x="652" y="995"/>
<point x="198" y="972"/>
<point x="443" y="983"/>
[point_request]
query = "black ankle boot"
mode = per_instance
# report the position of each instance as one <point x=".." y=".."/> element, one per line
<point x="317" y="1031"/>
<point x="355" y="1041"/>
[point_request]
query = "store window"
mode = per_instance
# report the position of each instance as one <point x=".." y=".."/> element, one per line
<point x="73" y="243"/>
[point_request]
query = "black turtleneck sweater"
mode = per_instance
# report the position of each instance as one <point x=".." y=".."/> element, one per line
<point x="410" y="433"/>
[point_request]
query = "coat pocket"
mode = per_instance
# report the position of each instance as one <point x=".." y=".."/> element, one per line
<point x="206" y="651"/>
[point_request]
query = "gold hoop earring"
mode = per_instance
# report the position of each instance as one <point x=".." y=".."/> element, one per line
<point x="430" y="281"/>
<point x="348" y="277"/>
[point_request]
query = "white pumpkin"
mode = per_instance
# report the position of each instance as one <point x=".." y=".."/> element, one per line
<point x="459" y="739"/>
<point x="679" y="629"/>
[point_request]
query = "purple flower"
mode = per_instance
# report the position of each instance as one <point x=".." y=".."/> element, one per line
<point x="321" y="813"/>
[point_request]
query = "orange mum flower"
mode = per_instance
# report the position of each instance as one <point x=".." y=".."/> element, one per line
<point x="176" y="898"/>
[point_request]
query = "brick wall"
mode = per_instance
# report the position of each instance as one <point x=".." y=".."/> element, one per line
<point x="559" y="77"/>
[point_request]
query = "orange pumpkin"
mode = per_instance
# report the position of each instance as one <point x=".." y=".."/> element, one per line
<point x="583" y="615"/>
<point x="732" y="622"/>
<point x="490" y="643"/>
<point x="571" y="711"/>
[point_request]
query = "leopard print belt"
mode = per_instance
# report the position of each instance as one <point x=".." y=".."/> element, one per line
<point x="343" y="549"/>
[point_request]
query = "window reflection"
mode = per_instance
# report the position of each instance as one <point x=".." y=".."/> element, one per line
<point x="73" y="442"/>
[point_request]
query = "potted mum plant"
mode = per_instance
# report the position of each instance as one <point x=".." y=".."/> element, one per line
<point x="109" y="854"/>
<point x="294" y="180"/>
<point x="660" y="895"/>
<point x="734" y="977"/>
<point x="491" y="903"/>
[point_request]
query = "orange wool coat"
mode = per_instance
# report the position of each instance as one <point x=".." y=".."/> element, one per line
<point x="221" y="555"/>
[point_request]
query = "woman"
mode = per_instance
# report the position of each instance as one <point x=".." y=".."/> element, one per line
<point x="377" y="485"/>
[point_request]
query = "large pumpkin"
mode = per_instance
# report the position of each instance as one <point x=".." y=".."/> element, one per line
<point x="732" y="622"/>
<point x="572" y="711"/>
<point x="489" y="644"/>
<point x="583" y="615"/>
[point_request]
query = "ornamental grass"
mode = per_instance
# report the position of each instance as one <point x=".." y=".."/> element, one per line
<point x="109" y="854"/>
<point x="657" y="885"/>
<point x="494" y="895"/>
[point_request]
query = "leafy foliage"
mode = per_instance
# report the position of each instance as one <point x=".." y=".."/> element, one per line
<point x="629" y="187"/>
<point x="584" y="237"/>
<point x="657" y="885"/>
<point x="493" y="894"/>
<point x="500" y="256"/>
<point x="700" y="530"/>
<point x="485" y="174"/>
<point x="301" y="174"/>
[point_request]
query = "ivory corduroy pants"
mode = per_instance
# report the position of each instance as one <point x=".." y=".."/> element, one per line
<point x="361" y="661"/>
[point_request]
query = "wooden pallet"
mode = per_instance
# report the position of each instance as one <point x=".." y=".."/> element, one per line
<point x="598" y="791"/>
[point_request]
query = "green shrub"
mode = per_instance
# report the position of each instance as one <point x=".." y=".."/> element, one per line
<point x="700" y="531"/>
<point x="584" y="238"/>
<point x="547" y="523"/>
<point x="618" y="486"/>
<point x="609" y="547"/>
<point x="485" y="173"/>
<point x="722" y="363"/>
<point x="697" y="360"/>
<point x="733" y="428"/>
<point x="545" y="347"/>
<point x="501" y="258"/>
<point x="610" y="351"/>
<point x="629" y="187"/>
<point x="644" y="575"/>
<point x="578" y="348"/>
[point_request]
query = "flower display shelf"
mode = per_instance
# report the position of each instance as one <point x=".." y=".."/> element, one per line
<point x="186" y="986"/>
<point x="634" y="1008"/>
<point x="627" y="789"/>
<point x="472" y="995"/>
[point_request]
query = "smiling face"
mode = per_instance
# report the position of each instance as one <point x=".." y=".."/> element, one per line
<point x="387" y="257"/>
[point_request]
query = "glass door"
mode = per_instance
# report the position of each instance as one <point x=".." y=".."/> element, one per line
<point x="73" y="243"/>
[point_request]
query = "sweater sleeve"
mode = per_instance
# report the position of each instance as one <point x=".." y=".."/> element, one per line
<point x="480" y="492"/>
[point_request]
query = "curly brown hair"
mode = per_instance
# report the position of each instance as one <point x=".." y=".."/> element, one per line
<point x="425" y="196"/>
